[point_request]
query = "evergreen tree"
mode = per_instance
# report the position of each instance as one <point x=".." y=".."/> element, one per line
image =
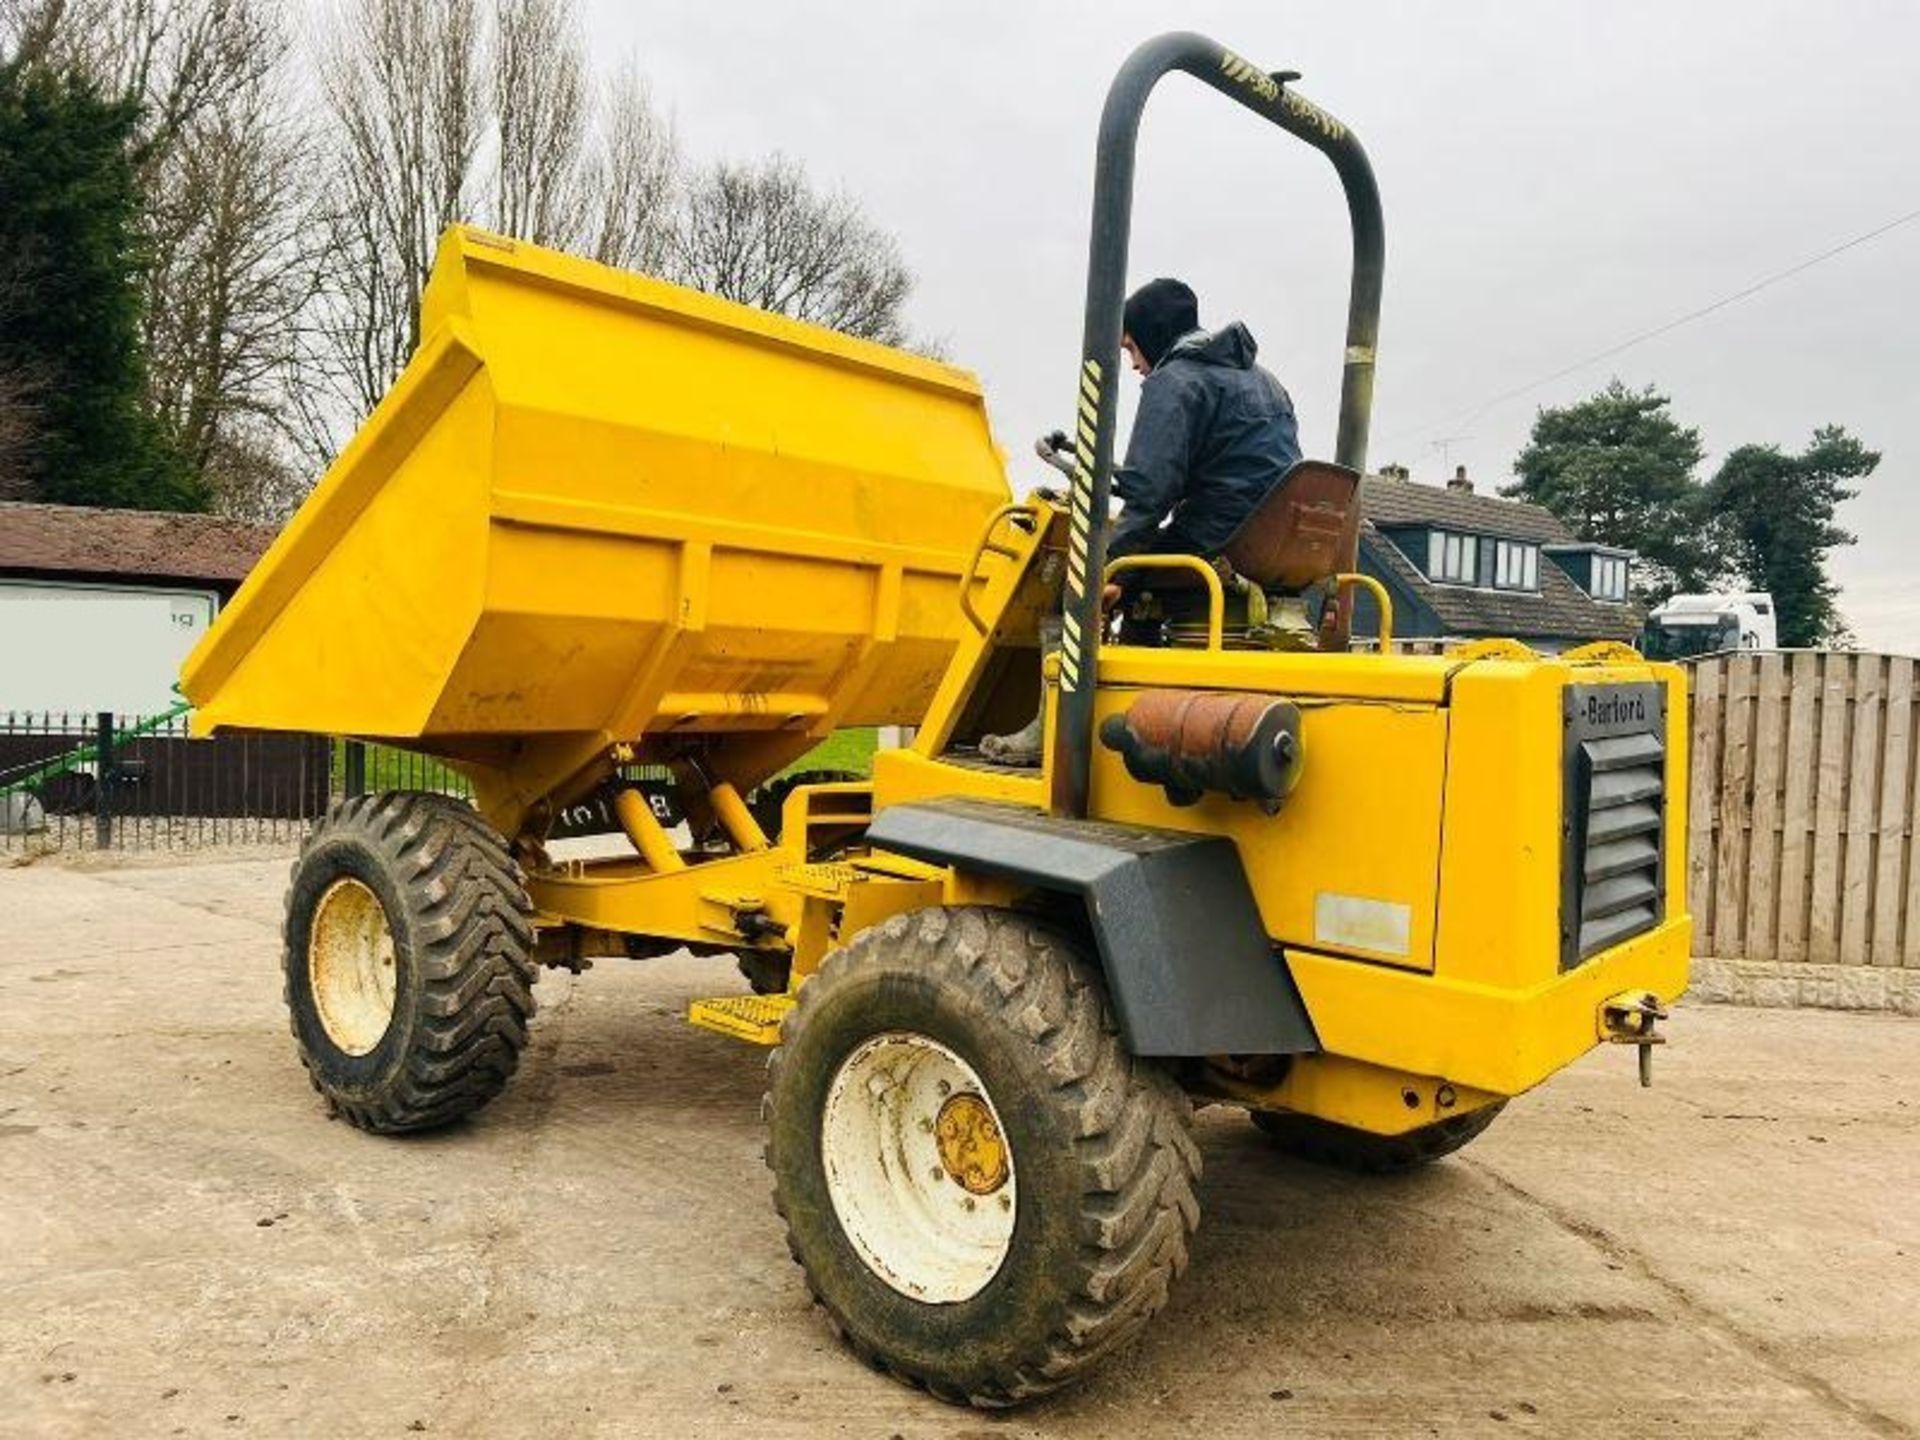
<point x="69" y="226"/>
<point x="1618" y="468"/>
<point x="1778" y="510"/>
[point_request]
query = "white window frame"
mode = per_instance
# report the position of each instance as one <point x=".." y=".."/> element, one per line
<point x="1453" y="557"/>
<point x="1516" y="565"/>
<point x="1609" y="577"/>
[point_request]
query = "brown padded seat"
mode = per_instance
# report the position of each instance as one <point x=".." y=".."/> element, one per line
<point x="1307" y="529"/>
<point x="1303" y="533"/>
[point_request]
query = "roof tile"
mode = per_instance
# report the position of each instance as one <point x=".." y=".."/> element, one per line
<point x="144" y="544"/>
<point x="1560" y="609"/>
<point x="1406" y="502"/>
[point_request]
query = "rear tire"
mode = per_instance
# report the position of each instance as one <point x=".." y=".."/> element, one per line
<point x="1067" y="1199"/>
<point x="1307" y="1137"/>
<point x="769" y="802"/>
<point x="408" y="960"/>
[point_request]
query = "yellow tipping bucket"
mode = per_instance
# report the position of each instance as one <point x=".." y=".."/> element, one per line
<point x="597" y="507"/>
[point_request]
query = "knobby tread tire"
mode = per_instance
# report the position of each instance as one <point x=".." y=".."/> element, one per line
<point x="462" y="925"/>
<point x="1308" y="1137"/>
<point x="768" y="804"/>
<point x="1105" y="1214"/>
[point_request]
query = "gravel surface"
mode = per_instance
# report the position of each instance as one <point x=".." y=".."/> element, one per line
<point x="193" y="1249"/>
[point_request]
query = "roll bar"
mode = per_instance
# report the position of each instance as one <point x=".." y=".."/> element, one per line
<point x="1266" y="95"/>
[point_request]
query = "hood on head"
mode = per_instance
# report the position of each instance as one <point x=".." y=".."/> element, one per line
<point x="1231" y="345"/>
<point x="1158" y="314"/>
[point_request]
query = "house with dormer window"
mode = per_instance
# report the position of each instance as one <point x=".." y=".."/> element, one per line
<point x="1462" y="566"/>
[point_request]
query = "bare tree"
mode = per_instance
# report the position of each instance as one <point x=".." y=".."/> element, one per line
<point x="287" y="267"/>
<point x="635" y="178"/>
<point x="542" y="103"/>
<point x="229" y="292"/>
<point x="404" y="91"/>
<point x="440" y="112"/>
<point x="761" y="234"/>
<point x="29" y="29"/>
<point x="179" y="58"/>
<point x="222" y="161"/>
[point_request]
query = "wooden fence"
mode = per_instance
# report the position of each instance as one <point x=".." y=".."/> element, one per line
<point x="1802" y="808"/>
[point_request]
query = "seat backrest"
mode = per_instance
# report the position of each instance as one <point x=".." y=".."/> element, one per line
<point x="1305" y="530"/>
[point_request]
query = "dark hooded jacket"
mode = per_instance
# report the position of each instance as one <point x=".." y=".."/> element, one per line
<point x="1214" y="433"/>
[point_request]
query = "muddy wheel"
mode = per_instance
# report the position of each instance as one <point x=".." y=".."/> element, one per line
<point x="1325" y="1143"/>
<point x="987" y="1194"/>
<point x="408" y="960"/>
<point x="770" y="799"/>
<point x="767" y="972"/>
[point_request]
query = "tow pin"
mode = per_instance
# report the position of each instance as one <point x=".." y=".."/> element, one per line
<point x="1630" y="1019"/>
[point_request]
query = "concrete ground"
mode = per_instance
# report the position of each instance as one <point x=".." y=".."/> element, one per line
<point x="191" y="1249"/>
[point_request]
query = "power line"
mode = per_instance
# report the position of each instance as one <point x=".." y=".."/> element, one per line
<point x="1467" y="417"/>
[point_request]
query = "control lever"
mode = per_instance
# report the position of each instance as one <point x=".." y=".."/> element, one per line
<point x="1057" y="450"/>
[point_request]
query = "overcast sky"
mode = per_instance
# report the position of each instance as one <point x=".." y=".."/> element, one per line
<point x="1557" y="177"/>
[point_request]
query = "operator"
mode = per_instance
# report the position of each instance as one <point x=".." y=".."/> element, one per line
<point x="1213" y="435"/>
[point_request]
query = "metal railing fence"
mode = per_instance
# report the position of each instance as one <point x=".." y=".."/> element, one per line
<point x="76" y="780"/>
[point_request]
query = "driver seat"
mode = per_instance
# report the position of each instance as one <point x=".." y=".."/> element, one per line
<point x="1303" y="533"/>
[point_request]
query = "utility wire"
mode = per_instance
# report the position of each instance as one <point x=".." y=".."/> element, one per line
<point x="1467" y="417"/>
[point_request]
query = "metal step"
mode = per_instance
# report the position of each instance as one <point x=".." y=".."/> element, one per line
<point x="753" y="1018"/>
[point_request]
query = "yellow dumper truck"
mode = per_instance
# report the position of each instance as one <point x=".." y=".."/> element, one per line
<point x="604" y="523"/>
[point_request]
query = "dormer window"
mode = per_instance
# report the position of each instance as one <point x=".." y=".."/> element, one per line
<point x="1516" y="565"/>
<point x="1453" y="558"/>
<point x="1609" y="578"/>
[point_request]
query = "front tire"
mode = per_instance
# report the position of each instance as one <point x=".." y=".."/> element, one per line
<point x="986" y="1193"/>
<point x="408" y="960"/>
<point x="1307" y="1137"/>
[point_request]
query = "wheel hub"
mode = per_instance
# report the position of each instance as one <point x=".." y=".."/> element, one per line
<point x="350" y="966"/>
<point x="918" y="1167"/>
<point x="970" y="1145"/>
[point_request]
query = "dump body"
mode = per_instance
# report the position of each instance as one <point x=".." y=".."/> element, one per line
<point x="600" y="508"/>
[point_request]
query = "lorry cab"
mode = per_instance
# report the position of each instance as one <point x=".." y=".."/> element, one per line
<point x="1688" y="626"/>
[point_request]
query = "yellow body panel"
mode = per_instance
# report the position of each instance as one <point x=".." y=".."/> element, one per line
<point x="598" y="507"/>
<point x="1355" y="833"/>
<point x="696" y="904"/>
<point x="1433" y="783"/>
<point x="1502" y="1039"/>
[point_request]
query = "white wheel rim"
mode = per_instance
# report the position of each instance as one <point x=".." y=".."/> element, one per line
<point x="350" y="966"/>
<point x="918" y="1168"/>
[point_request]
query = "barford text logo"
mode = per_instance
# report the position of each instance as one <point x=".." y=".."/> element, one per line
<point x="1616" y="709"/>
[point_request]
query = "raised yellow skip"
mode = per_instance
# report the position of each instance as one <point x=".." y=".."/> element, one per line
<point x="597" y="506"/>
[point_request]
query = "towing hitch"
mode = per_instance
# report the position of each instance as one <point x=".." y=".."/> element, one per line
<point x="1630" y="1018"/>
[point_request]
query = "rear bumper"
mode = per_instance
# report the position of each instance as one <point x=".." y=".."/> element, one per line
<point x="1500" y="1040"/>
